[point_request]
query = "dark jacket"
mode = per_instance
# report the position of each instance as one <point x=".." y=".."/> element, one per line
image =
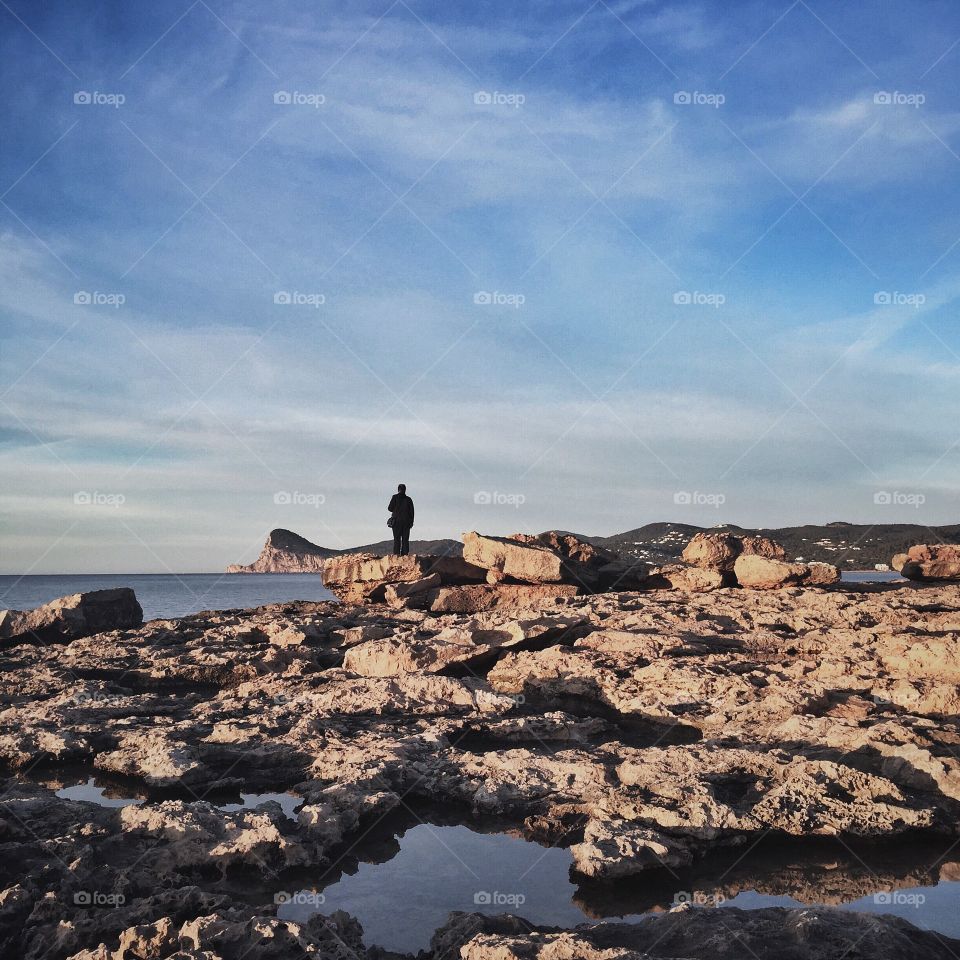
<point x="401" y="509"/>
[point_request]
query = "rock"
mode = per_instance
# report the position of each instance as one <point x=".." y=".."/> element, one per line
<point x="697" y="934"/>
<point x="675" y="576"/>
<point x="712" y="551"/>
<point x="79" y="615"/>
<point x="612" y="850"/>
<point x="464" y="646"/>
<point x="396" y="593"/>
<point x="762" y="573"/>
<point x="822" y="574"/>
<point x="686" y="728"/>
<point x="719" y="551"/>
<point x="625" y="574"/>
<point x="475" y="598"/>
<point x="582" y="560"/>
<point x="898" y="561"/>
<point x="528" y="562"/>
<point x="363" y="577"/>
<point x="931" y="562"/>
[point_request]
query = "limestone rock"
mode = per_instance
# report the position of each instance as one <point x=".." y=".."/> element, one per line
<point x="719" y="550"/>
<point x="79" y="615"/>
<point x="932" y="562"/>
<point x="697" y="934"/>
<point x="528" y="562"/>
<point x="822" y="574"/>
<point x="396" y="593"/>
<point x="363" y="577"/>
<point x="762" y="573"/>
<point x="675" y="576"/>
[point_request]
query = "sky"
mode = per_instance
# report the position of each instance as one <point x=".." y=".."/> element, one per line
<point x="579" y="265"/>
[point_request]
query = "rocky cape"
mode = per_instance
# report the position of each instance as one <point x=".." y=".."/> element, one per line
<point x="288" y="552"/>
<point x="850" y="546"/>
<point x="649" y="731"/>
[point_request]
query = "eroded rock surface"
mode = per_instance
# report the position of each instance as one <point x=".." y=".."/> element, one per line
<point x="646" y="730"/>
<point x="930" y="562"/>
<point x="78" y="615"/>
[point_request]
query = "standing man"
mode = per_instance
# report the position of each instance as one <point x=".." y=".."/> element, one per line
<point x="401" y="519"/>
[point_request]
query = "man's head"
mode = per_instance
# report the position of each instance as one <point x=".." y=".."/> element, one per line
<point x="402" y="488"/>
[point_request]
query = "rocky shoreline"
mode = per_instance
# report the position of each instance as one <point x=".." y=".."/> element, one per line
<point x="647" y="731"/>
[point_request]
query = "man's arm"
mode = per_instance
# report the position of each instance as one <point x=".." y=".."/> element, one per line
<point x="411" y="513"/>
<point x="392" y="504"/>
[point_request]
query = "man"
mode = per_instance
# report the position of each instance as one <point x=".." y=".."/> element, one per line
<point x="401" y="515"/>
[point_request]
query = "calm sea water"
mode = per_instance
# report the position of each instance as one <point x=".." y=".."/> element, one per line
<point x="164" y="595"/>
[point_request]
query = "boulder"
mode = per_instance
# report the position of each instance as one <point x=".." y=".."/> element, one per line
<point x="898" y="561"/>
<point x="719" y="551"/>
<point x="764" y="573"/>
<point x="822" y="574"/>
<point x="939" y="561"/>
<point x="712" y="551"/>
<point x="528" y="562"/>
<point x="473" y="598"/>
<point x="582" y="561"/>
<point x="79" y="615"/>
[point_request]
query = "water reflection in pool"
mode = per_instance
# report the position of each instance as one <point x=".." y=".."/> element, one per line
<point x="404" y="890"/>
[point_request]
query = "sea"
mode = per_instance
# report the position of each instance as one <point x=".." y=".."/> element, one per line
<point x="167" y="595"/>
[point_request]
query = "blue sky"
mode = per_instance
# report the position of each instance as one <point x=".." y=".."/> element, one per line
<point x="607" y="263"/>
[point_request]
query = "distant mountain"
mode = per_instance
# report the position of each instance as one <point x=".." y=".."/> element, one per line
<point x="848" y="545"/>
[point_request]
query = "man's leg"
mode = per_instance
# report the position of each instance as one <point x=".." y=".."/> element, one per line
<point x="397" y="532"/>
<point x="405" y="546"/>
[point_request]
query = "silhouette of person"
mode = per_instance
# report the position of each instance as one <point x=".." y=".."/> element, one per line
<point x="401" y="513"/>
